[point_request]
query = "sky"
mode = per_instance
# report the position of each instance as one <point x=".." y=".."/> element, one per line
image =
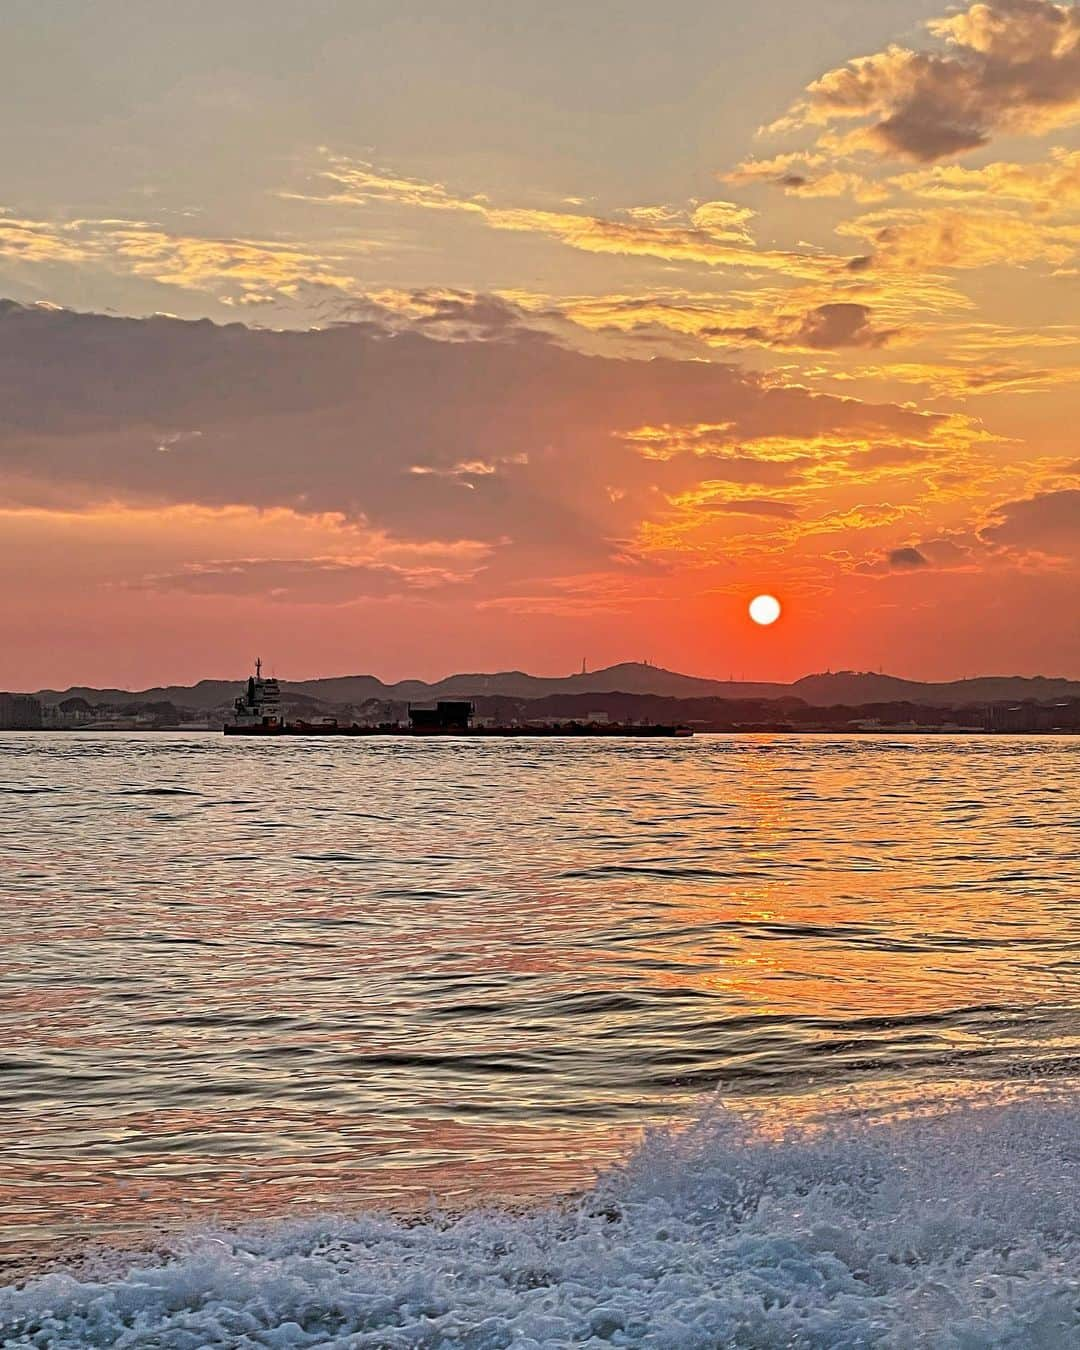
<point x="408" y="338"/>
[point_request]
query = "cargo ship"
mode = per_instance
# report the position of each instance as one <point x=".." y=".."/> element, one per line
<point x="258" y="712"/>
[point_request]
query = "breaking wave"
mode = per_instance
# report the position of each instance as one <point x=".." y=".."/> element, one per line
<point x="957" y="1230"/>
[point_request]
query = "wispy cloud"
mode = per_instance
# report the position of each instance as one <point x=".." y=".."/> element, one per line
<point x="807" y="173"/>
<point x="237" y="271"/>
<point x="711" y="234"/>
<point x="317" y="580"/>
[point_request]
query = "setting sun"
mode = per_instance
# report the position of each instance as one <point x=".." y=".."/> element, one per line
<point x="765" y="609"/>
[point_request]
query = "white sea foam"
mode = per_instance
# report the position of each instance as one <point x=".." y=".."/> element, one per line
<point x="957" y="1230"/>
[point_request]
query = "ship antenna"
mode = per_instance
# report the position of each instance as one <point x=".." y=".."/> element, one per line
<point x="258" y="667"/>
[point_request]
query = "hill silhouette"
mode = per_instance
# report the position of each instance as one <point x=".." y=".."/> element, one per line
<point x="830" y="689"/>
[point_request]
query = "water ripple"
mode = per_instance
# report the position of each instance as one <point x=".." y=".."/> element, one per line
<point x="247" y="978"/>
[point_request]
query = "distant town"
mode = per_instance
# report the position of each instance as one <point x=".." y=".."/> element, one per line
<point x="628" y="695"/>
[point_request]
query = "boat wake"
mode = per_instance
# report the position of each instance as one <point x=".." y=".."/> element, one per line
<point x="946" y="1229"/>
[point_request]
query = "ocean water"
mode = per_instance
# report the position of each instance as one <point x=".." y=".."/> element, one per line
<point x="733" y="1041"/>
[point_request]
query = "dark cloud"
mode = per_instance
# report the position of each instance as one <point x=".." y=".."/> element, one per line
<point x="454" y="316"/>
<point x="943" y="553"/>
<point x="921" y="134"/>
<point x="840" y="325"/>
<point x="1047" y="523"/>
<point x="907" y="559"/>
<point x="525" y="446"/>
<point x="828" y="327"/>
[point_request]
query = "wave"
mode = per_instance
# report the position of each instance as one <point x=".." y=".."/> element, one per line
<point x="957" y="1230"/>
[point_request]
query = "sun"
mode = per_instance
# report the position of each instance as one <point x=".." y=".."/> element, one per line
<point x="765" y="609"/>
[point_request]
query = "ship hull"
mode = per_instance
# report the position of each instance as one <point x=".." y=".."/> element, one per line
<point x="470" y="733"/>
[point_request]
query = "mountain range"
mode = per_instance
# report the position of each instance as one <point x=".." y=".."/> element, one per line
<point x="831" y="689"/>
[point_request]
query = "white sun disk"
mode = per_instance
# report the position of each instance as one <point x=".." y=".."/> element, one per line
<point x="765" y="609"/>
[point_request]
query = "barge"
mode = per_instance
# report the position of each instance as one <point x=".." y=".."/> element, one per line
<point x="258" y="712"/>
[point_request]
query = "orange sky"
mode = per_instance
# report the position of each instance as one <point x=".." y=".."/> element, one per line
<point x="508" y="372"/>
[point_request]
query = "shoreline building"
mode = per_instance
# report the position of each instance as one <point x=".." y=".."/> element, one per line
<point x="20" y="712"/>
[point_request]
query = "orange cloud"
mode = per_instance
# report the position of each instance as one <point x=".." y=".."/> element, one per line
<point x="36" y="241"/>
<point x="964" y="380"/>
<point x="863" y="312"/>
<point x="1050" y="187"/>
<point x="245" y="271"/>
<point x="917" y="240"/>
<point x="807" y="174"/>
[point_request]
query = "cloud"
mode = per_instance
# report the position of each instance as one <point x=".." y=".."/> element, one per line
<point x="907" y="559"/>
<point x="887" y="306"/>
<point x="838" y="325"/>
<point x="237" y="271"/>
<point x="547" y="458"/>
<point x="246" y="271"/>
<point x="827" y="327"/>
<point x="891" y="456"/>
<point x="712" y="234"/>
<point x="1049" y="187"/>
<point x="958" y="550"/>
<point x="754" y="506"/>
<point x="1009" y="66"/>
<point x="965" y="380"/>
<point x="1048" y="523"/>
<point x="303" y="580"/>
<point x="454" y="315"/>
<point x="917" y="240"/>
<point x="806" y="174"/>
<point x="36" y="241"/>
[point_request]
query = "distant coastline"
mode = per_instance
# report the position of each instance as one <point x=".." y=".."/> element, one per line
<point x="820" y="690"/>
<point x="628" y="694"/>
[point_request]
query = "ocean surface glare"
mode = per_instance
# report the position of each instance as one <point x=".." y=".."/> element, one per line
<point x="249" y="984"/>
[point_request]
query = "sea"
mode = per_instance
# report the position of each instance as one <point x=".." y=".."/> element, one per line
<point x="737" y="1041"/>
